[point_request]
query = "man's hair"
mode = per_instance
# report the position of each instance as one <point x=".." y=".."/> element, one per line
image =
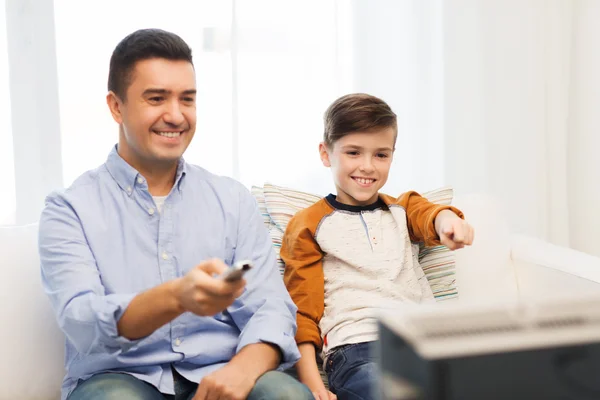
<point x="357" y="112"/>
<point x="142" y="45"/>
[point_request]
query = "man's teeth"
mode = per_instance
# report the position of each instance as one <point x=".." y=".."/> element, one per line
<point x="364" y="181"/>
<point x="169" y="134"/>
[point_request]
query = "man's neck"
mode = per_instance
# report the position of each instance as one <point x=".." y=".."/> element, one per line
<point x="160" y="182"/>
<point x="160" y="177"/>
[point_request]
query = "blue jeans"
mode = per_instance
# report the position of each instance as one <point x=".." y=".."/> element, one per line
<point x="352" y="372"/>
<point x="272" y="385"/>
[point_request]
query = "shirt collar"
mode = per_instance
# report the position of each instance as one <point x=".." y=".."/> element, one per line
<point x="128" y="177"/>
<point x="332" y="200"/>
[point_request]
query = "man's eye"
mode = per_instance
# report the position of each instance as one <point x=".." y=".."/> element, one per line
<point x="189" y="99"/>
<point x="155" y="99"/>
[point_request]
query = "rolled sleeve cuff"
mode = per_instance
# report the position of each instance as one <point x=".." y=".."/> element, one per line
<point x="109" y="312"/>
<point x="279" y="334"/>
<point x="308" y="332"/>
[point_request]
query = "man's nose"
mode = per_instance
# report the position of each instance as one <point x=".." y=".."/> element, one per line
<point x="173" y="114"/>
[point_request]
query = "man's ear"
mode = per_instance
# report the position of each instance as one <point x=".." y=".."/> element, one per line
<point x="115" y="106"/>
<point x="324" y="154"/>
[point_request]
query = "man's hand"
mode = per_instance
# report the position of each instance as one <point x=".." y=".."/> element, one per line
<point x="229" y="382"/>
<point x="236" y="379"/>
<point x="202" y="294"/>
<point x="323" y="394"/>
<point x="454" y="232"/>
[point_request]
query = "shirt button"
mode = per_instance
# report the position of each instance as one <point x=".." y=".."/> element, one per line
<point x="164" y="255"/>
<point x="177" y="342"/>
<point x="129" y="189"/>
<point x="140" y="181"/>
<point x="151" y="211"/>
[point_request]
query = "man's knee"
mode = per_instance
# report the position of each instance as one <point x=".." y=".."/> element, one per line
<point x="276" y="385"/>
<point x="113" y="387"/>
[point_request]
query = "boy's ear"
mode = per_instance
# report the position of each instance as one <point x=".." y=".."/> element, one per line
<point x="324" y="154"/>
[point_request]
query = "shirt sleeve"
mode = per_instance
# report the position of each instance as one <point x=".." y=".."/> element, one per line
<point x="420" y="215"/>
<point x="265" y="313"/>
<point x="70" y="277"/>
<point x="304" y="278"/>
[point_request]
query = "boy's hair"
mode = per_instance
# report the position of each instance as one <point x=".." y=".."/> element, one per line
<point x="357" y="112"/>
<point x="142" y="45"/>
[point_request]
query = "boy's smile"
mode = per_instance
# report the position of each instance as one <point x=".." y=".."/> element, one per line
<point x="360" y="163"/>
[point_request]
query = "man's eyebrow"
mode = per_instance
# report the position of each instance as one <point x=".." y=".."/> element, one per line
<point x="151" y="91"/>
<point x="155" y="91"/>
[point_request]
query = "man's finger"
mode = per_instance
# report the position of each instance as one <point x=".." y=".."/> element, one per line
<point x="200" y="392"/>
<point x="213" y="266"/>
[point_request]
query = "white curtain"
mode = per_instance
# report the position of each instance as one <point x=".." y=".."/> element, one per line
<point x="521" y="89"/>
<point x="495" y="96"/>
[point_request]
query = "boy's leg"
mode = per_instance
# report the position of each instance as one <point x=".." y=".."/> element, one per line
<point x="353" y="373"/>
<point x="115" y="386"/>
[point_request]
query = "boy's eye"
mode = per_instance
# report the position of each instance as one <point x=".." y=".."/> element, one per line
<point x="382" y="155"/>
<point x="352" y="153"/>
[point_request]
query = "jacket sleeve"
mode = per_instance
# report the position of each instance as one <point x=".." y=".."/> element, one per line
<point x="304" y="277"/>
<point x="420" y="215"/>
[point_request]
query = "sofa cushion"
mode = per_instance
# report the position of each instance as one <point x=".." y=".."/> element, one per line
<point x="280" y="204"/>
<point x="485" y="270"/>
<point x="32" y="345"/>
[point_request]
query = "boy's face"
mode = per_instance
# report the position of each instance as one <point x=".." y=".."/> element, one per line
<point x="360" y="163"/>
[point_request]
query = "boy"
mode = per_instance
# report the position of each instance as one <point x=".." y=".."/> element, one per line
<point x="349" y="254"/>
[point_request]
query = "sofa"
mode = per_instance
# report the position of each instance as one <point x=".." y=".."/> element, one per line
<point x="499" y="267"/>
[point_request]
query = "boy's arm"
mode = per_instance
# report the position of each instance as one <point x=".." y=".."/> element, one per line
<point x="304" y="278"/>
<point x="421" y="216"/>
<point x="308" y="372"/>
<point x="305" y="282"/>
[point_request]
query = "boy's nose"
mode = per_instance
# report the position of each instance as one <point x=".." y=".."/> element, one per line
<point x="366" y="166"/>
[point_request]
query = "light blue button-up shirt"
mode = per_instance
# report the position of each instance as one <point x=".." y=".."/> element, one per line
<point x="102" y="241"/>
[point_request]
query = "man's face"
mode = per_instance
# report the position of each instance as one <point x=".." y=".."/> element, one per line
<point x="158" y="117"/>
<point x="360" y="163"/>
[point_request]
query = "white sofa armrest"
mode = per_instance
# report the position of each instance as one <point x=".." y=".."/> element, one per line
<point x="530" y="250"/>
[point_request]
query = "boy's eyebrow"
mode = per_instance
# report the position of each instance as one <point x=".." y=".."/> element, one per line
<point x="151" y="91"/>
<point x="353" y="146"/>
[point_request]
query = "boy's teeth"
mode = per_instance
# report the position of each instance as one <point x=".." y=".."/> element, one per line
<point x="364" y="181"/>
<point x="169" y="134"/>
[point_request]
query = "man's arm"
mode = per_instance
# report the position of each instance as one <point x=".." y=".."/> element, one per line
<point x="197" y="292"/>
<point x="265" y="312"/>
<point x="98" y="322"/>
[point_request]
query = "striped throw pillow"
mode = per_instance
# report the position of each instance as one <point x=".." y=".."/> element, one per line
<point x="278" y="205"/>
<point x="438" y="262"/>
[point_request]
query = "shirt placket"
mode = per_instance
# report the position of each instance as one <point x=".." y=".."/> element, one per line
<point x="167" y="260"/>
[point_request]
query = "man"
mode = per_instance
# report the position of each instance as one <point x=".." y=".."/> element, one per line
<point x="131" y="253"/>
